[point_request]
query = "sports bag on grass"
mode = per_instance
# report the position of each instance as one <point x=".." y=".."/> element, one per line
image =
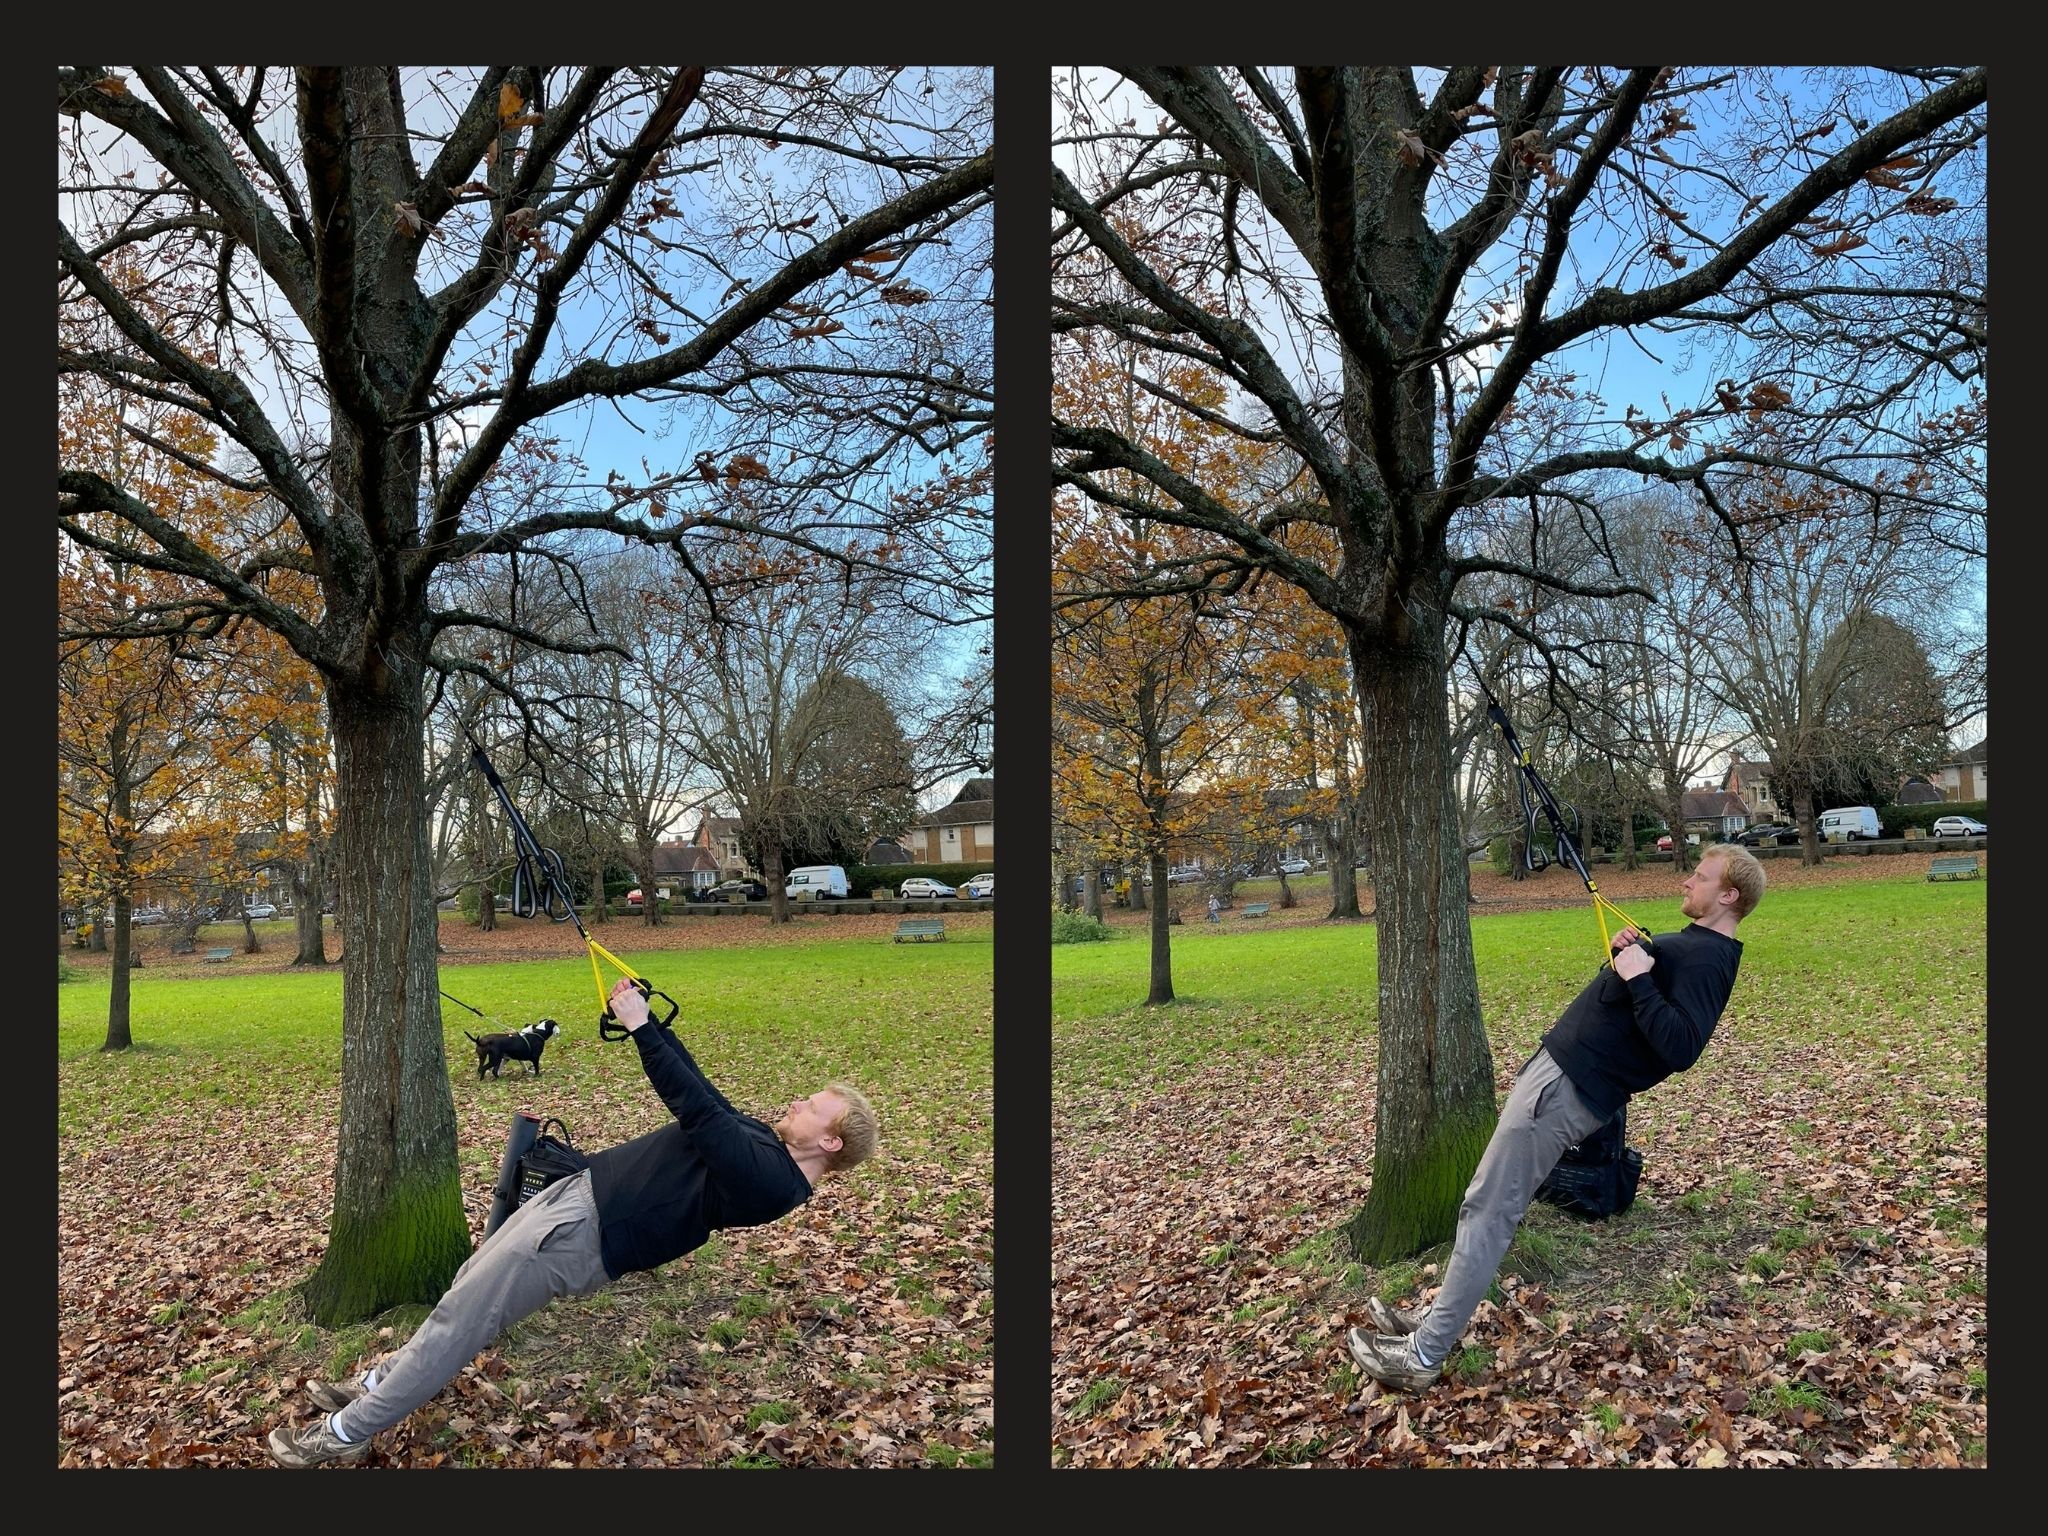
<point x="533" y="1160"/>
<point x="1596" y="1177"/>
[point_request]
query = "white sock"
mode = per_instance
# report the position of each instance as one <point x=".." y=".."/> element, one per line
<point x="334" y="1429"/>
<point x="370" y="1381"/>
<point x="1415" y="1349"/>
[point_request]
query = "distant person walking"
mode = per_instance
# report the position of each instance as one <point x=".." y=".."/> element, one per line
<point x="1215" y="907"/>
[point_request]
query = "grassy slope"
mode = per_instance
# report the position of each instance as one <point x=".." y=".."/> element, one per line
<point x="1819" y="1176"/>
<point x="229" y="1099"/>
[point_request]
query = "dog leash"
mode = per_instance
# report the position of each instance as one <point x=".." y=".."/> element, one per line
<point x="488" y="1018"/>
<point x="540" y="867"/>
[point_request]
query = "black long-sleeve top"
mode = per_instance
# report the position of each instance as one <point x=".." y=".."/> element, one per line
<point x="1619" y="1037"/>
<point x="660" y="1195"/>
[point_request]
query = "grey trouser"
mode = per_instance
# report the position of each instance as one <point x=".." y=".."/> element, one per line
<point x="1543" y="1115"/>
<point x="547" y="1248"/>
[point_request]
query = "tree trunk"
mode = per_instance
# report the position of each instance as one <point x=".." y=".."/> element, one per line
<point x="398" y="1232"/>
<point x="600" y="905"/>
<point x="1137" y="879"/>
<point x="1091" y="892"/>
<point x="1343" y="841"/>
<point x="1674" y="813"/>
<point x="118" y="1008"/>
<point x="118" y="1037"/>
<point x="1344" y="830"/>
<point x="771" y="874"/>
<point x="1434" y="1107"/>
<point x="1162" y="946"/>
<point x="308" y="880"/>
<point x="643" y="855"/>
<point x="1808" y="816"/>
<point x="1286" y="892"/>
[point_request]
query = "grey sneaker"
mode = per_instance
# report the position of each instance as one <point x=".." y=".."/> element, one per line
<point x="1389" y="1359"/>
<point x="1388" y="1318"/>
<point x="313" y="1445"/>
<point x="336" y="1395"/>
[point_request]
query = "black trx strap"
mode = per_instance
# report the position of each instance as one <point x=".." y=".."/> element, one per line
<point x="542" y="867"/>
<point x="1535" y="795"/>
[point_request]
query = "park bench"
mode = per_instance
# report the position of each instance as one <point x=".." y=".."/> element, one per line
<point x="216" y="956"/>
<point x="1954" y="866"/>
<point x="1258" y="909"/>
<point x="918" y="929"/>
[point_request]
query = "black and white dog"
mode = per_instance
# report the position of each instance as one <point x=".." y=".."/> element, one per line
<point x="526" y="1046"/>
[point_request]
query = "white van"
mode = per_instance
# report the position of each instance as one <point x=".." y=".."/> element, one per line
<point x="1849" y="824"/>
<point x="815" y="882"/>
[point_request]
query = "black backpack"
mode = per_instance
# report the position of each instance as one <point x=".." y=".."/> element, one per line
<point x="1596" y="1177"/>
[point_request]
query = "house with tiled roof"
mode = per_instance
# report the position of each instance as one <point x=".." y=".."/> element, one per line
<point x="963" y="831"/>
<point x="720" y="837"/>
<point x="1751" y="784"/>
<point x="1713" y="812"/>
<point x="685" y="866"/>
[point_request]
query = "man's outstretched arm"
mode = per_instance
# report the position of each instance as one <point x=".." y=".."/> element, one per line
<point x="714" y="1127"/>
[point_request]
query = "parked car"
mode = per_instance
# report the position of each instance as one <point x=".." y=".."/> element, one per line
<point x="1294" y="866"/>
<point x="635" y="897"/>
<point x="145" y="916"/>
<point x="1184" y="874"/>
<point x="1692" y="840"/>
<point x="980" y="887"/>
<point x="919" y="885"/>
<point x="1958" y="826"/>
<point x="753" y="890"/>
<point x="258" y="911"/>
<point x="1768" y="835"/>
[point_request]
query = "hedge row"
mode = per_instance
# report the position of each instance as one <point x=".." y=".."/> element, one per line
<point x="1893" y="820"/>
<point x="862" y="878"/>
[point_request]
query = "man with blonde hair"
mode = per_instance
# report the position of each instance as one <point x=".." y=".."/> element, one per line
<point x="635" y="1206"/>
<point x="1646" y="1016"/>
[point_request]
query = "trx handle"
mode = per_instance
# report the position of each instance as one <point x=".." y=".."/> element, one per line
<point x="608" y="1025"/>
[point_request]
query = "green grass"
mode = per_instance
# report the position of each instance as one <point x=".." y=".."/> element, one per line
<point x="1868" y="945"/>
<point x="1270" y="1046"/>
<point x="235" y="1082"/>
<point x="1101" y="1392"/>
